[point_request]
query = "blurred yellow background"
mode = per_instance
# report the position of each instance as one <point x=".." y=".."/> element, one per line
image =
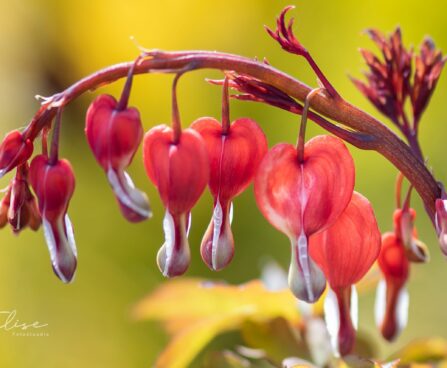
<point x="48" y="44"/>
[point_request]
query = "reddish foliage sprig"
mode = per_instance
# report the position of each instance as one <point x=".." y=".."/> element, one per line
<point x="286" y="38"/>
<point x="392" y="81"/>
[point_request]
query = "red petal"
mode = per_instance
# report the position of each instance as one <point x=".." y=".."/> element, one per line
<point x="14" y="151"/>
<point x="305" y="197"/>
<point x="234" y="157"/>
<point x="348" y="249"/>
<point x="217" y="248"/>
<point x="180" y="171"/>
<point x="113" y="135"/>
<point x="53" y="184"/>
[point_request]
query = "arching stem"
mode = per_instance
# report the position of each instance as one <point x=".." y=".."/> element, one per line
<point x="385" y="141"/>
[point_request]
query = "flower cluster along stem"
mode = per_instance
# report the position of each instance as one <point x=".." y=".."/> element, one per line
<point x="384" y="140"/>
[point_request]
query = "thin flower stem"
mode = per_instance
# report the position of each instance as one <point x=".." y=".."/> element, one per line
<point x="176" y="123"/>
<point x="385" y="141"/>
<point x="302" y="134"/>
<point x="225" y="108"/>
<point x="124" y="100"/>
<point x="54" y="152"/>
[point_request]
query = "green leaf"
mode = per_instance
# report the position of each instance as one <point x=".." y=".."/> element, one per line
<point x="276" y="337"/>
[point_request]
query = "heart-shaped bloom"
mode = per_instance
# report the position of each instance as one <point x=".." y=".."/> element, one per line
<point x="303" y="198"/>
<point x="18" y="207"/>
<point x="14" y="151"/>
<point x="345" y="252"/>
<point x="180" y="171"/>
<point x="392" y="298"/>
<point x="399" y="248"/>
<point x="234" y="157"/>
<point x="54" y="186"/>
<point x="114" y="135"/>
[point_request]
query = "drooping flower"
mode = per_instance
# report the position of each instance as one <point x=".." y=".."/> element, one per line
<point x="234" y="157"/>
<point x="54" y="185"/>
<point x="345" y="252"/>
<point x="18" y="207"/>
<point x="114" y="134"/>
<point x="180" y="171"/>
<point x="392" y="298"/>
<point x="301" y="198"/>
<point x="14" y="151"/>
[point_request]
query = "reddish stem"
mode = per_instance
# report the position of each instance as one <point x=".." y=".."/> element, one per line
<point x="302" y="134"/>
<point x="176" y="124"/>
<point x="385" y="141"/>
<point x="225" y="108"/>
<point x="54" y="152"/>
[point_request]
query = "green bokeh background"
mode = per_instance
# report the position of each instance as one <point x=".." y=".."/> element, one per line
<point x="48" y="44"/>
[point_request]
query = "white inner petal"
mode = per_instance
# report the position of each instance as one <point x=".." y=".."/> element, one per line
<point x="169" y="230"/>
<point x="332" y="318"/>
<point x="231" y="213"/>
<point x="70" y="235"/>
<point x="403" y="303"/>
<point x="354" y="307"/>
<point x="303" y="258"/>
<point x="380" y="303"/>
<point x="126" y="192"/>
<point x="217" y="222"/>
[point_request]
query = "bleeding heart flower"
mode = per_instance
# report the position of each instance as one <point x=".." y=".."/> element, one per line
<point x="345" y="252"/>
<point x="54" y="186"/>
<point x="114" y="134"/>
<point x="392" y="298"/>
<point x="180" y="171"/>
<point x="18" y="206"/>
<point x="14" y="151"/>
<point x="303" y="198"/>
<point x="234" y="157"/>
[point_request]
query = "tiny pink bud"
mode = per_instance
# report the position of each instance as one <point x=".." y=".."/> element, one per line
<point x="14" y="151"/>
<point x="114" y="136"/>
<point x="54" y="186"/>
<point x="23" y="209"/>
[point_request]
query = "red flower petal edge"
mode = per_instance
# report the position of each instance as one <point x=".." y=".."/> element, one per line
<point x="234" y="158"/>
<point x="180" y="172"/>
<point x="300" y="199"/>
<point x="54" y="186"/>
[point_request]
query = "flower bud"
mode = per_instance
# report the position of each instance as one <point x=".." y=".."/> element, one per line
<point x="405" y="230"/>
<point x="14" y="151"/>
<point x="180" y="171"/>
<point x="54" y="186"/>
<point x="18" y="207"/>
<point x="114" y="136"/>
<point x="392" y="300"/>
<point x="23" y="210"/>
<point x="345" y="252"/>
<point x="303" y="198"/>
<point x="234" y="157"/>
